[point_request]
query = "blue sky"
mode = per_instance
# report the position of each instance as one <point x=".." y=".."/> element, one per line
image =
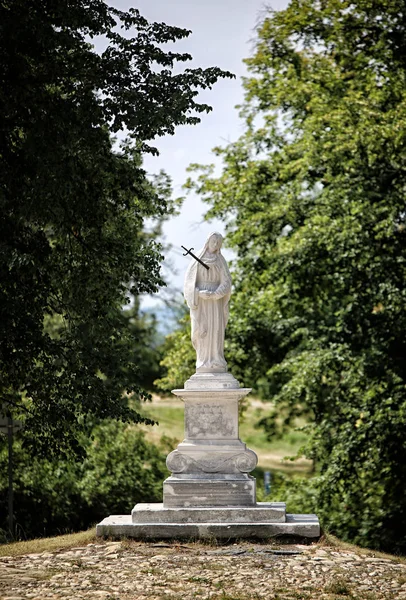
<point x="222" y="35"/>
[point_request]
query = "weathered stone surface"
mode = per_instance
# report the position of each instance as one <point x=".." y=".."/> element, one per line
<point x="122" y="526"/>
<point x="211" y="442"/>
<point x="263" y="512"/>
<point x="212" y="381"/>
<point x="211" y="419"/>
<point x="238" y="490"/>
<point x="211" y="414"/>
<point x="207" y="394"/>
<point x="190" y="458"/>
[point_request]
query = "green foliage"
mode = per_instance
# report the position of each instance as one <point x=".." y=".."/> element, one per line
<point x="314" y="197"/>
<point x="179" y="357"/>
<point x="299" y="493"/>
<point x="146" y="351"/>
<point x="119" y="469"/>
<point x="73" y="204"/>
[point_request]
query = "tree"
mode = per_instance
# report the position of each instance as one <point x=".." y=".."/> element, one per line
<point x="73" y="203"/>
<point x="178" y="356"/>
<point x="314" y="197"/>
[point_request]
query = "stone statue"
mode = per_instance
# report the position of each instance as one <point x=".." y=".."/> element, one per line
<point x="207" y="293"/>
<point x="210" y="492"/>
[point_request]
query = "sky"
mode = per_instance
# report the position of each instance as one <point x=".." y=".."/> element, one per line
<point x="223" y="32"/>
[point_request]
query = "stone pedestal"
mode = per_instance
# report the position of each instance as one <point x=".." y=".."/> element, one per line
<point x="210" y="467"/>
<point x="210" y="492"/>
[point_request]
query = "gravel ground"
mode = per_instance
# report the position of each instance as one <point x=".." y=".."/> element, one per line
<point x="133" y="570"/>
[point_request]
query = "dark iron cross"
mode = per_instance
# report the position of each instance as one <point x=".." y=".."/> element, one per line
<point x="194" y="256"/>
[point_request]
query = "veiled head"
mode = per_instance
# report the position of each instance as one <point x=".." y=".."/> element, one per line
<point x="214" y="242"/>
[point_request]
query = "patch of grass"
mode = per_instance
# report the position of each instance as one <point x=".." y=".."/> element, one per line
<point x="331" y="541"/>
<point x="53" y="544"/>
<point x="170" y="420"/>
<point x="198" y="579"/>
<point x="339" y="587"/>
<point x="287" y="445"/>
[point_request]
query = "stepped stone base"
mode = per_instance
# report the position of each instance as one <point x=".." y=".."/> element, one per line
<point x="264" y="512"/>
<point x="116" y="526"/>
<point x="225" y="490"/>
<point x="210" y="493"/>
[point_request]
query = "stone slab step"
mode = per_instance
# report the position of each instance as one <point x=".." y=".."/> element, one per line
<point x="181" y="493"/>
<point x="118" y="526"/>
<point x="263" y="512"/>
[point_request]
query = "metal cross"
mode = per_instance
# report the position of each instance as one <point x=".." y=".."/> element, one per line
<point x="194" y="256"/>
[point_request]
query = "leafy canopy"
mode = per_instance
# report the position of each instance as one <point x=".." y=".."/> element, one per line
<point x="73" y="204"/>
<point x="313" y="195"/>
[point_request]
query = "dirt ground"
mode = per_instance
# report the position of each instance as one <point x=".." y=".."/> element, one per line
<point x="131" y="570"/>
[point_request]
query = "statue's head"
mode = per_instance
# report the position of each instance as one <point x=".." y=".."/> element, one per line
<point x="214" y="242"/>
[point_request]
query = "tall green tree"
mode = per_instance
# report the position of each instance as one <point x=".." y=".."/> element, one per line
<point x="314" y="197"/>
<point x="73" y="203"/>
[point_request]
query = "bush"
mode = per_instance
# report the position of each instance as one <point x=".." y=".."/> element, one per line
<point x="54" y="496"/>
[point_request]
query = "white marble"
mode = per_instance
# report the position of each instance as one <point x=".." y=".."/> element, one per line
<point x="207" y="293"/>
<point x="211" y="414"/>
<point x="211" y="381"/>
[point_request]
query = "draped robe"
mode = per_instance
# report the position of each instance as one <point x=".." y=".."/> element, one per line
<point x="209" y="316"/>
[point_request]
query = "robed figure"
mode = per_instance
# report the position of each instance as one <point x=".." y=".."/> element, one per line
<point x="207" y="293"/>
